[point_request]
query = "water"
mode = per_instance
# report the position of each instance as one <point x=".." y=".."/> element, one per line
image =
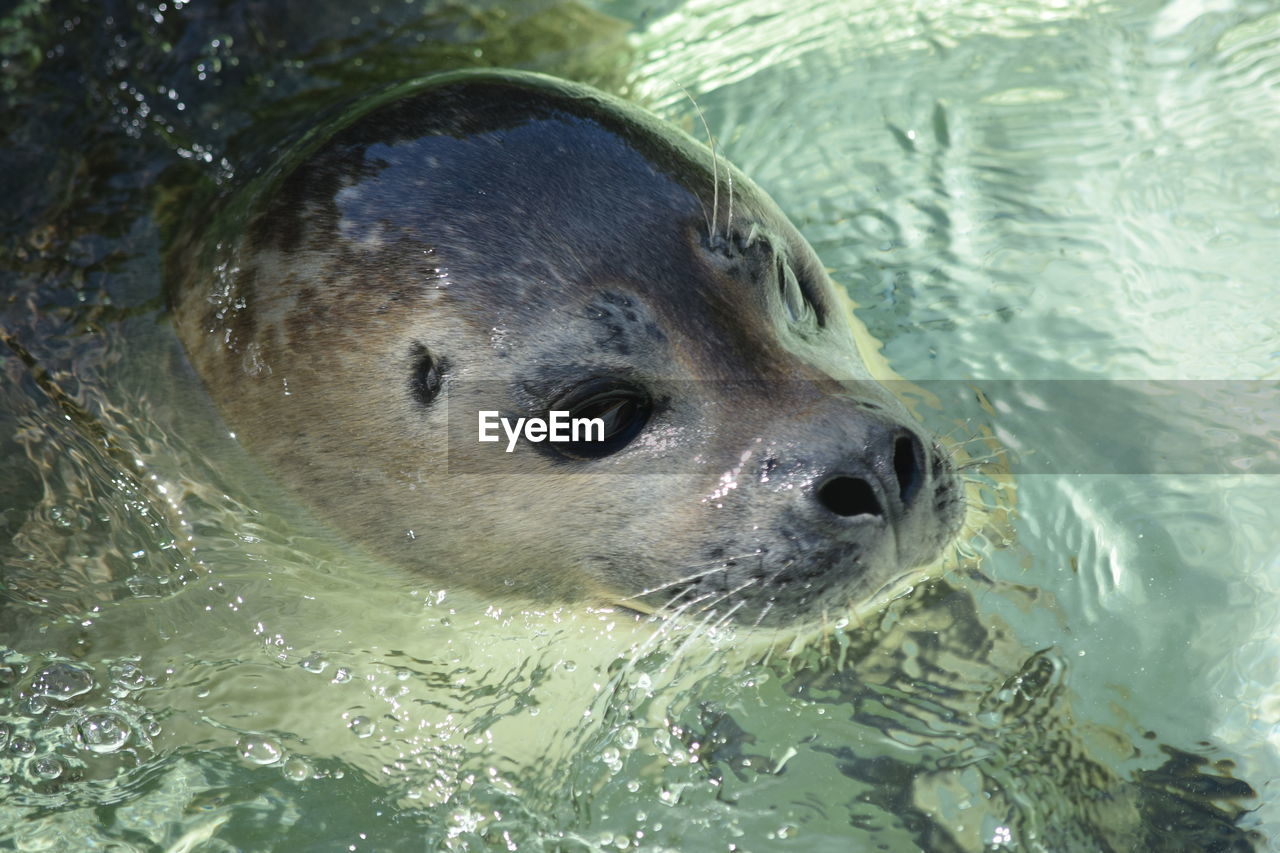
<point x="1016" y="195"/>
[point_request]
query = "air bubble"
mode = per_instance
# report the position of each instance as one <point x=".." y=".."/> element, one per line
<point x="296" y="769"/>
<point x="316" y="663"/>
<point x="128" y="677"/>
<point x="259" y="750"/>
<point x="62" y="682"/>
<point x="102" y="733"/>
<point x="22" y="746"/>
<point x="47" y="767"/>
<point x="362" y="727"/>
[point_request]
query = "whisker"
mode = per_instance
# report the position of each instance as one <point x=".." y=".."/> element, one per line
<point x="673" y="599"/>
<point x="688" y="604"/>
<point x="650" y="590"/>
<point x="728" y="225"/>
<point x="729" y="614"/>
<point x="718" y="565"/>
<point x="732" y="592"/>
<point x="777" y="573"/>
<point x="958" y="442"/>
<point x="707" y="625"/>
<point x="975" y="437"/>
<point x="715" y="165"/>
<point x="763" y="613"/>
<point x="979" y="461"/>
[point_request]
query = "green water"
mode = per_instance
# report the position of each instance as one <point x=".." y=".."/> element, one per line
<point x="1016" y="194"/>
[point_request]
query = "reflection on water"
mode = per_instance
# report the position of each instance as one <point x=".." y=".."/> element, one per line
<point x="1011" y="192"/>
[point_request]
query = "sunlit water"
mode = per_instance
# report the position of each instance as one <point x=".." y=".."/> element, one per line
<point x="1016" y="195"/>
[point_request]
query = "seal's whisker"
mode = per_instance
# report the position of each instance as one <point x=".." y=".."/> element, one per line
<point x="730" y="559"/>
<point x="718" y="565"/>
<point x="978" y="465"/>
<point x="715" y="164"/>
<point x="706" y="622"/>
<point x="728" y="223"/>
<point x="977" y="436"/>
<point x="673" y="599"/>
<point x="698" y="631"/>
<point x="763" y="613"/>
<point x="987" y="457"/>
<point x="963" y="446"/>
<point x="728" y="614"/>
<point x="686" y="606"/>
<point x="979" y="461"/>
<point x="710" y="622"/>
<point x="777" y="573"/>
<point x="650" y="590"/>
<point x="950" y="438"/>
<point x="973" y="477"/>
<point x="716" y="598"/>
<point x="731" y="592"/>
<point x="713" y="594"/>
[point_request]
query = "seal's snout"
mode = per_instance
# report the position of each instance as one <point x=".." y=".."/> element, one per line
<point x="869" y="500"/>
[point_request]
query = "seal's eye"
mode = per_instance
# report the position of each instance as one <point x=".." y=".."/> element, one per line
<point x="614" y="413"/>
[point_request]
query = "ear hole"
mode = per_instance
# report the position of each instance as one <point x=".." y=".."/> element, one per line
<point x="427" y="374"/>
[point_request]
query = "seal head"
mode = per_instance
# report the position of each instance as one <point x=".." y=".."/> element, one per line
<point x="505" y="242"/>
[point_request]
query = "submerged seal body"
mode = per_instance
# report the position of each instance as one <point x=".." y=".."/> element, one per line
<point x="495" y="241"/>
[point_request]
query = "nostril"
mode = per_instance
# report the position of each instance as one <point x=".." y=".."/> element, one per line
<point x="849" y="496"/>
<point x="908" y="466"/>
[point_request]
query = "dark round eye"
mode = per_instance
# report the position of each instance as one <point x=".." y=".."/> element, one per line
<point x="612" y="414"/>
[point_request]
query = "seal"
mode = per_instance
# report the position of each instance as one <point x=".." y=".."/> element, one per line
<point x="513" y="243"/>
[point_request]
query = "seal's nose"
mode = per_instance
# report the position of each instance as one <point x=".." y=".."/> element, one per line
<point x="848" y="496"/>
<point x="882" y="483"/>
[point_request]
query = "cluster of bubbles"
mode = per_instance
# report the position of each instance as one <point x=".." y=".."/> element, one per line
<point x="64" y="722"/>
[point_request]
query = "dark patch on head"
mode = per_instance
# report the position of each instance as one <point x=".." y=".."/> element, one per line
<point x="427" y="376"/>
<point x="618" y="323"/>
<point x="456" y="119"/>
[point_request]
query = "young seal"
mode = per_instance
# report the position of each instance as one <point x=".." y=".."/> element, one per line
<point x="509" y="242"/>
